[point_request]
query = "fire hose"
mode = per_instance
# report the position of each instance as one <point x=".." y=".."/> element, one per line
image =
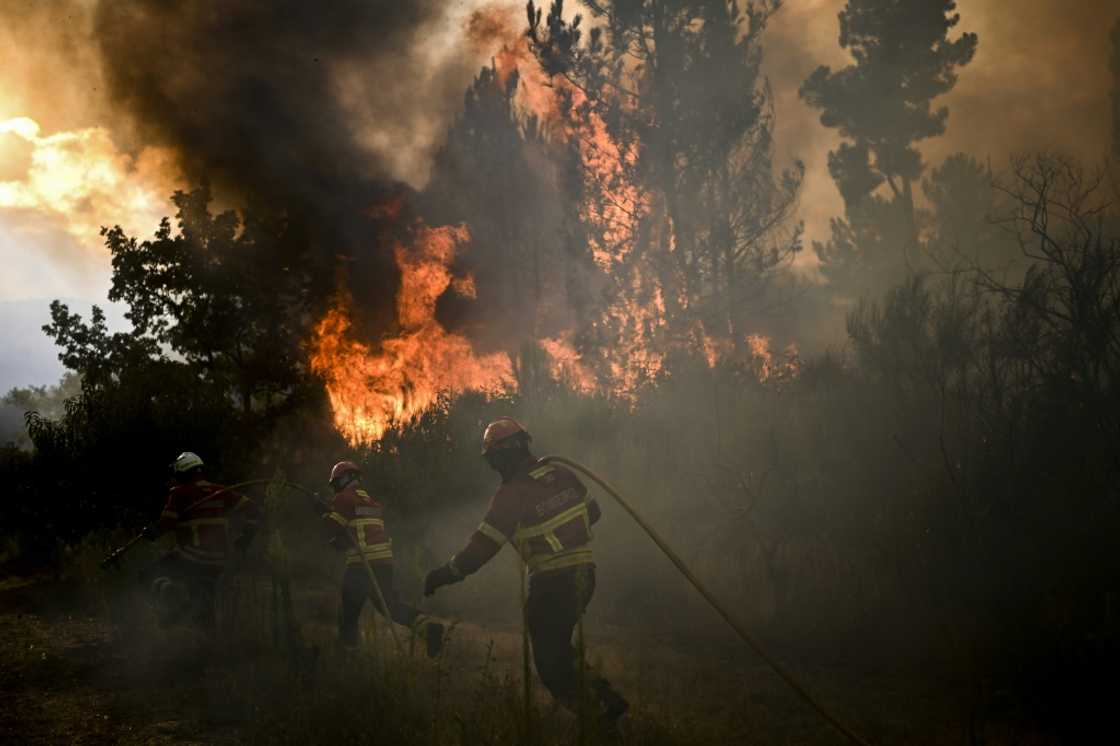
<point x="711" y="599"/>
<point x="118" y="553"/>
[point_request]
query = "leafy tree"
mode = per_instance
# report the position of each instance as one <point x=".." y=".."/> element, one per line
<point x="963" y="228"/>
<point x="49" y="401"/>
<point x="882" y="106"/>
<point x="676" y="122"/>
<point x="227" y="296"/>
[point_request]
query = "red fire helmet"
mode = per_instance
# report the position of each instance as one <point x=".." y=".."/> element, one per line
<point x="344" y="467"/>
<point x="499" y="431"/>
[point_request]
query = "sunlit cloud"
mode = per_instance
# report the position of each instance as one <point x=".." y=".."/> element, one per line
<point x="83" y="181"/>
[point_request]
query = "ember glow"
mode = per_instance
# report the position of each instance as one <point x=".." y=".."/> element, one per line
<point x="377" y="386"/>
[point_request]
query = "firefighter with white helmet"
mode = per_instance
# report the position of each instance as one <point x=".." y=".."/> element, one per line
<point x="204" y="518"/>
<point x="544" y="511"/>
<point x="356" y="525"/>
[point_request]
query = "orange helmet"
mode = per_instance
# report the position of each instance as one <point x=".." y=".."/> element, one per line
<point x="342" y="468"/>
<point x="500" y="431"/>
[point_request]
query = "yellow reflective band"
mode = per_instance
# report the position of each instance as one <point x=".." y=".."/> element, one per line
<point x="337" y="518"/>
<point x="572" y="557"/>
<point x="553" y="542"/>
<point x="362" y="522"/>
<point x="169" y="514"/>
<point x="547" y="527"/>
<point x="491" y="533"/>
<point x="370" y="553"/>
<point x="541" y="471"/>
<point x="195" y="523"/>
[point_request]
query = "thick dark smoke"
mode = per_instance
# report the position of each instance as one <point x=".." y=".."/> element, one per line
<point x="283" y="104"/>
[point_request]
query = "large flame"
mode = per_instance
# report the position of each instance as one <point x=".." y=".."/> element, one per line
<point x="566" y="364"/>
<point x="373" y="388"/>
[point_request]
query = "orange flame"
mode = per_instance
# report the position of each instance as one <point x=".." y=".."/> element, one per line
<point x="566" y="364"/>
<point x="768" y="367"/>
<point x="373" y="388"/>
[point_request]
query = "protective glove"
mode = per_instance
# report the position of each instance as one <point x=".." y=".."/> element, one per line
<point x="151" y="532"/>
<point x="443" y="575"/>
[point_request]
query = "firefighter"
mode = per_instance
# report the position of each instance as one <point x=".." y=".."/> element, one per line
<point x="543" y="509"/>
<point x="353" y="511"/>
<point x="202" y="516"/>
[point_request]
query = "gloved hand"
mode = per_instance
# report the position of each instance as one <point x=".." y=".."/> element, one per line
<point x="151" y="532"/>
<point x="439" y="577"/>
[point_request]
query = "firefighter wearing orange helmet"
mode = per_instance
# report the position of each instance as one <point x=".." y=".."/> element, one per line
<point x="353" y="511"/>
<point x="544" y="511"/>
<point x="203" y="516"/>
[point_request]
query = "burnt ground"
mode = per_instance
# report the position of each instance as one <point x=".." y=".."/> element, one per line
<point x="68" y="675"/>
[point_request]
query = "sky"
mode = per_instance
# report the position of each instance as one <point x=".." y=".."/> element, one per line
<point x="77" y="151"/>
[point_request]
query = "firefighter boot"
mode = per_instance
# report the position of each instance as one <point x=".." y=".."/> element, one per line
<point x="614" y="707"/>
<point x="171" y="600"/>
<point x="433" y="636"/>
<point x="431" y="631"/>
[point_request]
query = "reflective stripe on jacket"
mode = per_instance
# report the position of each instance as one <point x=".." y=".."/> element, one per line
<point x="199" y="513"/>
<point x="544" y="511"/>
<point x="355" y="512"/>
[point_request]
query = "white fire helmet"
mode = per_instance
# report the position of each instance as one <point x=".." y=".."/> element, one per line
<point x="185" y="462"/>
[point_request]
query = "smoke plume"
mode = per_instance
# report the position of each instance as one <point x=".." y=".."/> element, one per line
<point x="320" y="109"/>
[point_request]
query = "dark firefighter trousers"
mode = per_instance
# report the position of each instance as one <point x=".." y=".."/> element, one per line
<point x="199" y="581"/>
<point x="356" y="588"/>
<point x="557" y="600"/>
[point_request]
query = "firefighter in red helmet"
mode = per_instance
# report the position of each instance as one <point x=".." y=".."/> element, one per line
<point x="353" y="511"/>
<point x="204" y="518"/>
<point x="544" y="511"/>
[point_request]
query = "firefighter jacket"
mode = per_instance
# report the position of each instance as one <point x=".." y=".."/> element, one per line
<point x="200" y="514"/>
<point x="544" y="511"/>
<point x="352" y="510"/>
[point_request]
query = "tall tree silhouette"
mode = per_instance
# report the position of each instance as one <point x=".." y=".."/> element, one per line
<point x="882" y="105"/>
<point x="500" y="174"/>
<point x="677" y="124"/>
<point x="229" y="295"/>
<point x="963" y="228"/>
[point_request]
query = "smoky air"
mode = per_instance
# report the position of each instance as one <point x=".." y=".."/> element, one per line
<point x="593" y="372"/>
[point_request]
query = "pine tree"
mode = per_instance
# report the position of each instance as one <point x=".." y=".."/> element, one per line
<point x="672" y="99"/>
<point x="882" y="105"/>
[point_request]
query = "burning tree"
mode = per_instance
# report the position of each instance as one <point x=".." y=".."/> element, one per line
<point x="681" y="203"/>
